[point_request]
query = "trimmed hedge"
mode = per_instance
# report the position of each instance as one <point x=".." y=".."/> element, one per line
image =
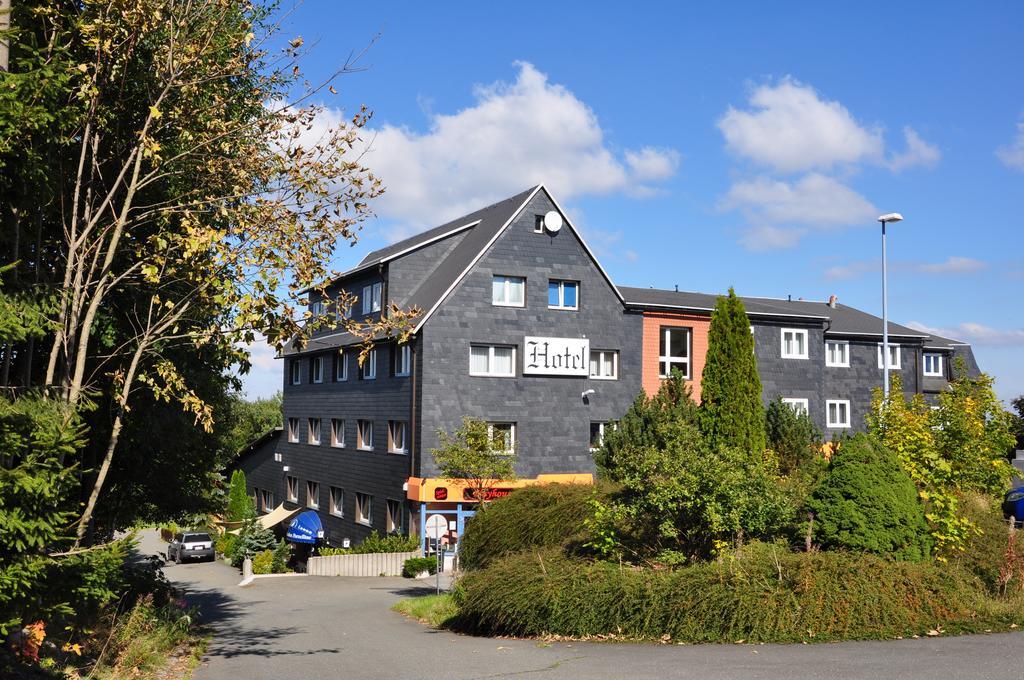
<point x="531" y="517"/>
<point x="765" y="594"/>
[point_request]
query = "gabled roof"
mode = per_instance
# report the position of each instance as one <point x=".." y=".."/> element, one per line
<point x="842" y="319"/>
<point x="478" y="231"/>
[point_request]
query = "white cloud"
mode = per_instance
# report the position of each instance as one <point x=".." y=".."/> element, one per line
<point x="951" y="266"/>
<point x="790" y="128"/>
<point x="975" y="334"/>
<point x="650" y="164"/>
<point x="515" y="135"/>
<point x="810" y="146"/>
<point x="851" y="270"/>
<point x="954" y="265"/>
<point x="1012" y="155"/>
<point x="266" y="375"/>
<point x="918" y="152"/>
<point x="782" y="212"/>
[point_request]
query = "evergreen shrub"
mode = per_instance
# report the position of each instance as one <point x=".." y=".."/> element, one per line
<point x="792" y="436"/>
<point x="263" y="562"/>
<point x="868" y="503"/>
<point x="414" y="566"/>
<point x="764" y="593"/>
<point x="531" y="517"/>
<point x="375" y="543"/>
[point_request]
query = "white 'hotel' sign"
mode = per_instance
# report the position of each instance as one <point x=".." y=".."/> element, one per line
<point x="556" y="356"/>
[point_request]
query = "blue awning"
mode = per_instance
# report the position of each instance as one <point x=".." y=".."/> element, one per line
<point x="305" y="528"/>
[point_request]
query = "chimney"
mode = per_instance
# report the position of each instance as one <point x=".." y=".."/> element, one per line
<point x="832" y="299"/>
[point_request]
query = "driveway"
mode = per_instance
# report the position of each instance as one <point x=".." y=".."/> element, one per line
<point x="306" y="627"/>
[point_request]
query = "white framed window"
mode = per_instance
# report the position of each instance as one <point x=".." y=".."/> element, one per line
<point x="674" y="351"/>
<point x="293" y="430"/>
<point x="396" y="517"/>
<point x="837" y="353"/>
<point x="337" y="502"/>
<point x="313" y="431"/>
<point x="341" y="366"/>
<point x="604" y="364"/>
<point x="368" y="371"/>
<point x="403" y="360"/>
<point x="371" y="297"/>
<point x="508" y="291"/>
<point x="266" y="501"/>
<point x="933" y="365"/>
<point x="794" y="343"/>
<point x="295" y="369"/>
<point x="396" y="436"/>
<point x="538" y="224"/>
<point x="797" y="404"/>
<point x="337" y="433"/>
<point x="894" y="356"/>
<point x="313" y="495"/>
<point x="364" y="508"/>
<point x="364" y="435"/>
<point x="292" y="488"/>
<point x="837" y="413"/>
<point x="504" y="435"/>
<point x="597" y="434"/>
<point x="343" y="311"/>
<point x="278" y="457"/>
<point x="316" y="369"/>
<point x="317" y="309"/>
<point x="563" y="294"/>
<point x="492" y="360"/>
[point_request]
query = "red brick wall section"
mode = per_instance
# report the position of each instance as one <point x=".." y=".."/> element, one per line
<point x="653" y="322"/>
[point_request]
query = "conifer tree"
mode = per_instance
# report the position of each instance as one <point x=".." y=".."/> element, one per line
<point x="240" y="505"/>
<point x="732" y="414"/>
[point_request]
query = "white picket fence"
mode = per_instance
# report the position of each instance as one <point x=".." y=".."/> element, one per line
<point x="370" y="564"/>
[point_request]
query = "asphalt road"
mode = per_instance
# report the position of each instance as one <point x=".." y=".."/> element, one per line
<point x="312" y="627"/>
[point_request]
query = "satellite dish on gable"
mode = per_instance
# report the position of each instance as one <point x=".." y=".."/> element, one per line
<point x="553" y="221"/>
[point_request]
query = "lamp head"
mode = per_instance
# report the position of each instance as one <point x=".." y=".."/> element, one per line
<point x="891" y="217"/>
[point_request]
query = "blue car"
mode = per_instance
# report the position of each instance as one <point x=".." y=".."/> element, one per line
<point x="1013" y="504"/>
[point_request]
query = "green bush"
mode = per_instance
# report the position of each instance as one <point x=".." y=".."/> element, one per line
<point x="263" y="562"/>
<point x="375" y="543"/>
<point x="985" y="552"/>
<point x="281" y="554"/>
<point x="253" y="539"/>
<point x="868" y="503"/>
<point x="414" y="566"/>
<point x="792" y="436"/>
<point x="531" y="517"/>
<point x="683" y="495"/>
<point x="763" y="593"/>
<point x="226" y="544"/>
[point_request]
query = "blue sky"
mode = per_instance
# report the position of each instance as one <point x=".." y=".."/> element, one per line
<point x="740" y="144"/>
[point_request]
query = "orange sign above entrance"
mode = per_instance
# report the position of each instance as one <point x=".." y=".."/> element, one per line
<point x="433" y="489"/>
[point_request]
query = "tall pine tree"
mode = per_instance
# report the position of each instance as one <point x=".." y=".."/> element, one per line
<point x="732" y="414"/>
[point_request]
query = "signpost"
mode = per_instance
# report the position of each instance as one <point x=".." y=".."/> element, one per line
<point x="437" y="525"/>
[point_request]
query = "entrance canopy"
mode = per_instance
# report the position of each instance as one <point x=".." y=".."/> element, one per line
<point x="272" y="518"/>
<point x="305" y="528"/>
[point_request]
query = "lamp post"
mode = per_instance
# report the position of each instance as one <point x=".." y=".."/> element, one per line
<point x="885" y="219"/>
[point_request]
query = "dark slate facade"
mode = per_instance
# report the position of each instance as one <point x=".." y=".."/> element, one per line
<point x="448" y="273"/>
<point x="552" y="418"/>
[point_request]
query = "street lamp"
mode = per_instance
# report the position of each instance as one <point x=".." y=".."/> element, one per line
<point x="885" y="219"/>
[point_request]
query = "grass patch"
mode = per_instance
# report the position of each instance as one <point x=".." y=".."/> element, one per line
<point x="437" y="611"/>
